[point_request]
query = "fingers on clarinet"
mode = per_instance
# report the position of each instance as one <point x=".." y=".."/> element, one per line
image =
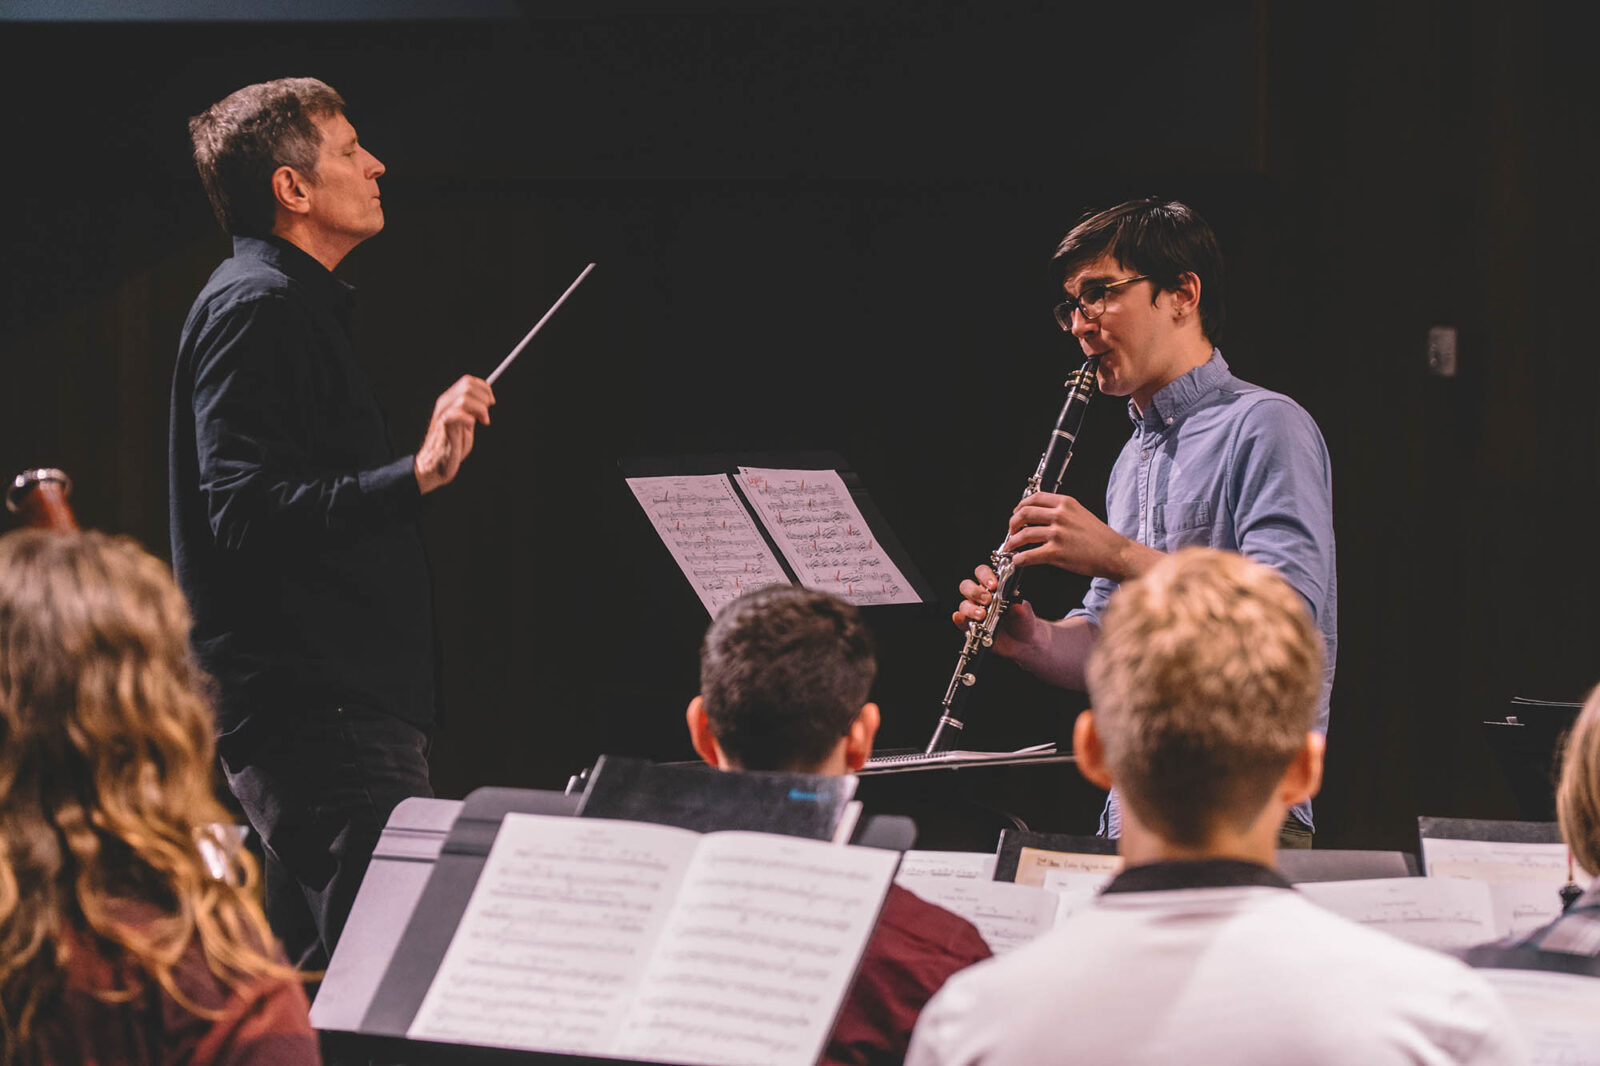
<point x="985" y="577"/>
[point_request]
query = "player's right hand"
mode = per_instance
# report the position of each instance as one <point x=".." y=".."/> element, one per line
<point x="977" y="597"/>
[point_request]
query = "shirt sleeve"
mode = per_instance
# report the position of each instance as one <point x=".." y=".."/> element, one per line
<point x="1280" y="492"/>
<point x="254" y="409"/>
<point x="266" y="1025"/>
<point x="1095" y="600"/>
<point x="1492" y="1036"/>
<point x="930" y="1038"/>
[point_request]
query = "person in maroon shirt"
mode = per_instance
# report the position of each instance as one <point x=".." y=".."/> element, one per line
<point x="129" y="931"/>
<point x="784" y="677"/>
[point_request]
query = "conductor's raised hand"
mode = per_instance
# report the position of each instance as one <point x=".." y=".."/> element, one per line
<point x="457" y="414"/>
<point x="1048" y="529"/>
<point x="977" y="597"/>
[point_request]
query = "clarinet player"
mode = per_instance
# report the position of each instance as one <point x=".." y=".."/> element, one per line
<point x="1211" y="461"/>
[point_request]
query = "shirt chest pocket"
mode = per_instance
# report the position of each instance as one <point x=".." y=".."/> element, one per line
<point x="1180" y="524"/>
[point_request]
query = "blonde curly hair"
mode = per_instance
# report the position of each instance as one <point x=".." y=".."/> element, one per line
<point x="1578" y="793"/>
<point x="105" y="784"/>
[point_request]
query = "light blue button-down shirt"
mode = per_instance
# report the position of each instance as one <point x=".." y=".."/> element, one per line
<point x="1217" y="462"/>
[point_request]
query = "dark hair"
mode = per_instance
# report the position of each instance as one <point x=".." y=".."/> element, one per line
<point x="240" y="140"/>
<point x="784" y="671"/>
<point x="1162" y="238"/>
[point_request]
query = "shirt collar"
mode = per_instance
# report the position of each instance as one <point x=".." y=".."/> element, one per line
<point x="1177" y="399"/>
<point x="298" y="264"/>
<point x="1195" y="873"/>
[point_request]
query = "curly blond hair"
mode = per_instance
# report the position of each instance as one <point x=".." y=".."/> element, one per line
<point x="1578" y="793"/>
<point x="1204" y="683"/>
<point x="105" y="784"/>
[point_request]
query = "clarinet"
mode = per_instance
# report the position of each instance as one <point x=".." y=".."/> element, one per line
<point x="1047" y="478"/>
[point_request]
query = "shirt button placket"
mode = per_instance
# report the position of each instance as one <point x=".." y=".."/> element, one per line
<point x="1144" y="489"/>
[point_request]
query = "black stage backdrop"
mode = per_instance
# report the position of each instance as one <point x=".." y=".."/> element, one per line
<point x="819" y="227"/>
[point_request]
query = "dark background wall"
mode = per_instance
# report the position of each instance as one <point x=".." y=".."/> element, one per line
<point x="826" y="228"/>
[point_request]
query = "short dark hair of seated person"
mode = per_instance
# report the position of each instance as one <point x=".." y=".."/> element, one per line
<point x="785" y="673"/>
<point x="129" y="932"/>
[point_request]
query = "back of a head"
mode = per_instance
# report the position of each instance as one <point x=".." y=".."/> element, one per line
<point x="243" y="138"/>
<point x="1204" y="684"/>
<point x="784" y="671"/>
<point x="1163" y="239"/>
<point x="1578" y="793"/>
<point x="105" y="772"/>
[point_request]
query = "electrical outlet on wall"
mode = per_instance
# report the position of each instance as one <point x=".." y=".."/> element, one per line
<point x="1442" y="351"/>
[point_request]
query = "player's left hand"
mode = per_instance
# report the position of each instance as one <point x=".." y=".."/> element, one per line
<point x="1047" y="529"/>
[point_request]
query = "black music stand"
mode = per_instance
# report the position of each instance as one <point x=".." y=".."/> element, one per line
<point x="407" y="911"/>
<point x="1525" y="741"/>
<point x="1300" y="865"/>
<point x="962" y="800"/>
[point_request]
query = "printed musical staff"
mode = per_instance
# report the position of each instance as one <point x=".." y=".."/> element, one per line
<point x="646" y="941"/>
<point x="1558" y="1014"/>
<point x="1439" y="913"/>
<point x="821" y="532"/>
<point x="708" y="531"/>
<point x="1007" y="915"/>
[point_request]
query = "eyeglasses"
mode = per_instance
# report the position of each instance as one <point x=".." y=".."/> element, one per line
<point x="1091" y="302"/>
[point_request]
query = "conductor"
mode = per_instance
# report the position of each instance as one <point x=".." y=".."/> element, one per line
<point x="294" y="524"/>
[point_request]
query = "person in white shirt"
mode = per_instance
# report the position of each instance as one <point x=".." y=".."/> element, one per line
<point x="1203" y="686"/>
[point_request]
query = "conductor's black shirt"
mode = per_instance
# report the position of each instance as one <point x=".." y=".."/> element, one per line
<point x="294" y="525"/>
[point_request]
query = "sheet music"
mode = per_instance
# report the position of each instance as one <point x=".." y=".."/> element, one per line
<point x="554" y="936"/>
<point x="821" y="532"/>
<point x="1075" y="890"/>
<point x="1034" y="863"/>
<point x="758" y="952"/>
<point x="705" y="526"/>
<point x="920" y="867"/>
<point x="1495" y="861"/>
<point x="1523" y="906"/>
<point x="1440" y="913"/>
<point x="1558" y="1013"/>
<point x="1007" y="915"/>
<point x="1076" y="880"/>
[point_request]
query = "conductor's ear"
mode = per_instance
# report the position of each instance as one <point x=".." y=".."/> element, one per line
<point x="289" y="189"/>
